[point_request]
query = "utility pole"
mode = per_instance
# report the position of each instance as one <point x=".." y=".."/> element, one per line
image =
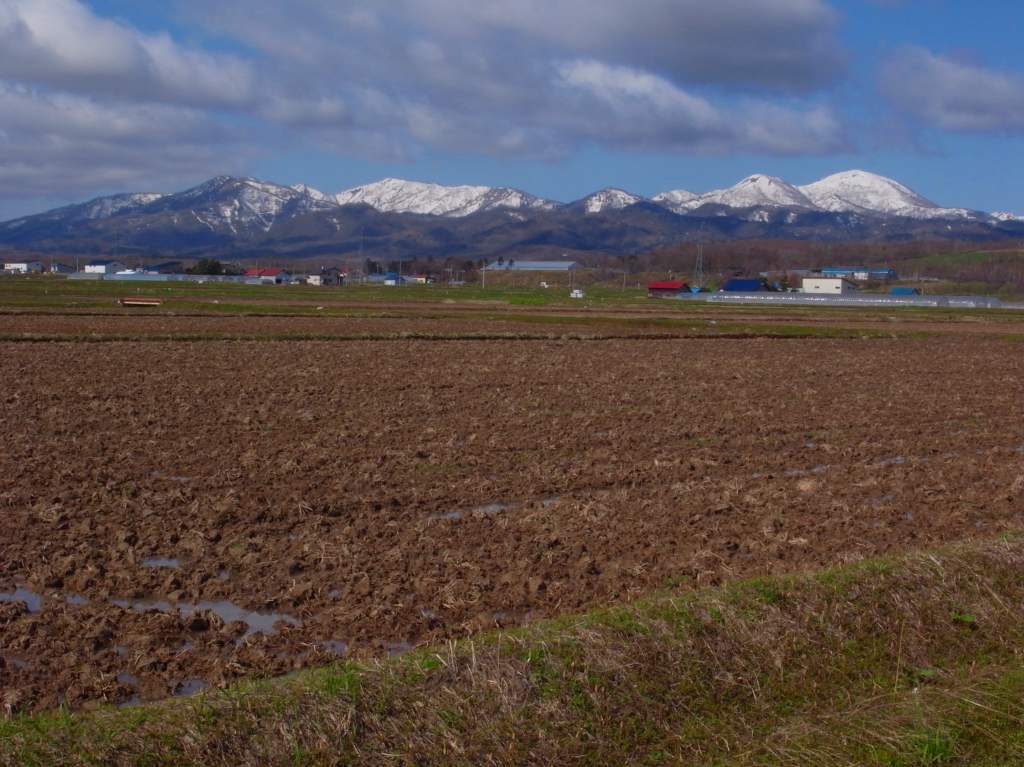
<point x="698" y="272"/>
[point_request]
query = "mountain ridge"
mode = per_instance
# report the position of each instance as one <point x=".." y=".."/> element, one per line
<point x="227" y="214"/>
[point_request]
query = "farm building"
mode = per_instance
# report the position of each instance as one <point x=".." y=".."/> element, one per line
<point x="23" y="267"/>
<point x="329" y="275"/>
<point x="828" y="285"/>
<point x="166" y="267"/>
<point x="666" y="288"/>
<point x="58" y="268"/>
<point x="859" y="273"/>
<point x="744" y="285"/>
<point x="270" y="276"/>
<point x="104" y="266"/>
<point x="530" y="266"/>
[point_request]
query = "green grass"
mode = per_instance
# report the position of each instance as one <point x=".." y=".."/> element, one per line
<point x="867" y="664"/>
<point x="82" y="295"/>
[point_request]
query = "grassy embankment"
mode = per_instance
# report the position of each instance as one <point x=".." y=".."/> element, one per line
<point x="900" y="662"/>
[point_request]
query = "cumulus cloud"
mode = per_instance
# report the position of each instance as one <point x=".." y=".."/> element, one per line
<point x="954" y="95"/>
<point x="111" y="105"/>
<point x="512" y="78"/>
<point x="637" y="109"/>
<point x="69" y="143"/>
<point x="784" y="44"/>
<point x="63" y="44"/>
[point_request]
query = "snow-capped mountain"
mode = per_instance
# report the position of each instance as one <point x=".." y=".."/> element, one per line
<point x="756" y="191"/>
<point x="236" y="214"/>
<point x="101" y="207"/>
<point x="609" y="198"/>
<point x="857" y="191"/>
<point x="225" y="202"/>
<point x="676" y="200"/>
<point x="394" y="195"/>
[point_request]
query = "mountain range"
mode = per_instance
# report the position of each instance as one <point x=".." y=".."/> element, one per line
<point x="394" y="218"/>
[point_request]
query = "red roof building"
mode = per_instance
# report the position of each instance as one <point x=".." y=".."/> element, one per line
<point x="666" y="288"/>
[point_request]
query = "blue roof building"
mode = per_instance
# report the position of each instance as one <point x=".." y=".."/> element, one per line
<point x="859" y="272"/>
<point x="743" y="285"/>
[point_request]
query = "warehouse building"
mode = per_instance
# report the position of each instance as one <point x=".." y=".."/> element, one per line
<point x="23" y="267"/>
<point x="104" y="266"/>
<point x="513" y="265"/>
<point x="666" y="288"/>
<point x="833" y="286"/>
<point x="859" y="273"/>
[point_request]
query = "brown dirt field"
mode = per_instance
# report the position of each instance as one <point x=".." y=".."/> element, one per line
<point x="385" y="494"/>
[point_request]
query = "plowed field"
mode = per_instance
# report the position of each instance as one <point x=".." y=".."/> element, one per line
<point x="174" y="515"/>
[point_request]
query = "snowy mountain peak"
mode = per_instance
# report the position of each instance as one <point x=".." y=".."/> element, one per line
<point x="677" y="200"/>
<point x="609" y="198"/>
<point x="395" y="195"/>
<point x="104" y="207"/>
<point x="756" y="191"/>
<point x="859" y="191"/>
<point x="309" y="191"/>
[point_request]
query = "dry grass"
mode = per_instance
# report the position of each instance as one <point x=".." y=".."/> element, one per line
<point x="915" y="661"/>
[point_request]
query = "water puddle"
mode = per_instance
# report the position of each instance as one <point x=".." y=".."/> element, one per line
<point x="172" y="562"/>
<point x="896" y="460"/>
<point x="336" y="646"/>
<point x="397" y="648"/>
<point x="14" y="662"/>
<point x="495" y="507"/>
<point x="30" y="598"/>
<point x="334" y="593"/>
<point x="76" y="599"/>
<point x="223" y="575"/>
<point x="255" y="621"/>
<point x="878" y="501"/>
<point x="129" y="679"/>
<point x="190" y="687"/>
<point x="819" y="469"/>
<point x="133" y="700"/>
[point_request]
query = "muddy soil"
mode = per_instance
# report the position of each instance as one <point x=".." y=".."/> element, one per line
<point x="175" y="515"/>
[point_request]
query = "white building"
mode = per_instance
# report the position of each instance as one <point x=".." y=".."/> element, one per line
<point x="23" y="267"/>
<point x="328" y="276"/>
<point x="833" y="286"/>
<point x="104" y="266"/>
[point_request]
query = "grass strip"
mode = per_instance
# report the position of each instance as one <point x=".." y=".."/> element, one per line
<point x="898" y="662"/>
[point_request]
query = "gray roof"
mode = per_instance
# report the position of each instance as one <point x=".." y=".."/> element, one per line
<point x="531" y="266"/>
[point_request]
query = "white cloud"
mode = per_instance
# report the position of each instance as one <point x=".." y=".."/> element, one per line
<point x="954" y="95"/>
<point x="493" y="77"/>
<point x="641" y="110"/>
<point x="72" y="144"/>
<point x="88" y="102"/>
<point x="63" y="44"/>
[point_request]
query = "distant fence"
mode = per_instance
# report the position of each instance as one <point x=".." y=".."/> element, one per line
<point x="166" y="278"/>
<point x="872" y="299"/>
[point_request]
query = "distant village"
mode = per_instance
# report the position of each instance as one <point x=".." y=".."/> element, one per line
<point x="843" y="285"/>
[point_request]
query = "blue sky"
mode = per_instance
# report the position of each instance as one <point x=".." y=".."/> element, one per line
<point x="557" y="97"/>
